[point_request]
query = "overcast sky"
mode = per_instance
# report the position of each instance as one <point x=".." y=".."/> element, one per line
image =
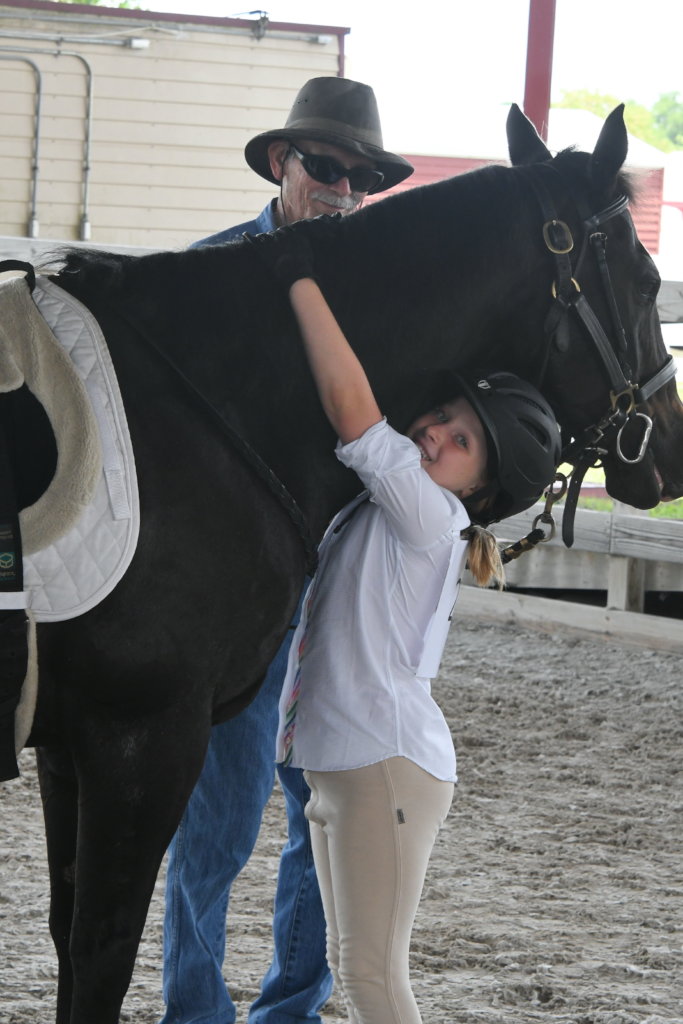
<point x="445" y="72"/>
<point x="440" y="68"/>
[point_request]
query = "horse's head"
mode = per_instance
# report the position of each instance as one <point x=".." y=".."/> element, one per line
<point x="607" y="371"/>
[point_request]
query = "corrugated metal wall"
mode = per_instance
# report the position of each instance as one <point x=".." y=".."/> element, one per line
<point x="167" y="126"/>
<point x="647" y="209"/>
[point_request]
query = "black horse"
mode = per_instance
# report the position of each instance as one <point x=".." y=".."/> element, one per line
<point x="215" y="385"/>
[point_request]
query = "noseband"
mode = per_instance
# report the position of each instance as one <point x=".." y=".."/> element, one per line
<point x="611" y="345"/>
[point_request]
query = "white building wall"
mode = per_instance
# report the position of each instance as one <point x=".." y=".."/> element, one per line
<point x="159" y="162"/>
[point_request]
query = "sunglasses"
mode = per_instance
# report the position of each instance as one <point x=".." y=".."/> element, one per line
<point x="328" y="171"/>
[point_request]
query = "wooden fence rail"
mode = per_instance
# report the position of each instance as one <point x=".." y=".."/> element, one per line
<point x="625" y="553"/>
<point x="633" y="534"/>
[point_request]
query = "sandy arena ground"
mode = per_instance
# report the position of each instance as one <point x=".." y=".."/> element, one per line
<point x="555" y="892"/>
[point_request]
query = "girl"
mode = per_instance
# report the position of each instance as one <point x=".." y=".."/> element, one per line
<point x="356" y="711"/>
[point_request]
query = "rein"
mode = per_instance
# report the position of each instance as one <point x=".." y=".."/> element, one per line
<point x="612" y="348"/>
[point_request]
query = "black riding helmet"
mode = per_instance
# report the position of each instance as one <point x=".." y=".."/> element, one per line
<point x="523" y="441"/>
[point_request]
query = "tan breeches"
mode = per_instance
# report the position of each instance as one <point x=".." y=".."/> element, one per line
<point x="372" y="831"/>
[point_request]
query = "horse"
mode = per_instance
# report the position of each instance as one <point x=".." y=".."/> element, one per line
<point x="238" y="479"/>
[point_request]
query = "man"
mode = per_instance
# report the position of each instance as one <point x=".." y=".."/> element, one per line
<point x="326" y="159"/>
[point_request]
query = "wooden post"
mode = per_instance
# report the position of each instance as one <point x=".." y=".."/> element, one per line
<point x="625" y="575"/>
<point x="625" y="584"/>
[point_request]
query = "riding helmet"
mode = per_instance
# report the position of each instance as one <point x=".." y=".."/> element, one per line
<point x="524" y="440"/>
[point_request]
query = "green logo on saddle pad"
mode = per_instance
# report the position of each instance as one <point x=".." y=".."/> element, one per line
<point x="6" y="560"/>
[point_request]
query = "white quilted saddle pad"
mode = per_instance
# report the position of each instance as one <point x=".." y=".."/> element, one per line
<point x="78" y="570"/>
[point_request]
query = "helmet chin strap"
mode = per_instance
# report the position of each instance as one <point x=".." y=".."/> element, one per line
<point x="487" y="491"/>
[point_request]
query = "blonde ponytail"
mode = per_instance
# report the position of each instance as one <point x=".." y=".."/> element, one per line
<point x="483" y="557"/>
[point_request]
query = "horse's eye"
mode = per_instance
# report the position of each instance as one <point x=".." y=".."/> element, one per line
<point x="648" y="286"/>
<point x="648" y="278"/>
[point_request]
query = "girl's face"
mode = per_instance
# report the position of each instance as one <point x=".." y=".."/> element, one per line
<point x="453" y="446"/>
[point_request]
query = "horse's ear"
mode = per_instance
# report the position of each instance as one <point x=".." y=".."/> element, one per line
<point x="525" y="145"/>
<point x="610" y="151"/>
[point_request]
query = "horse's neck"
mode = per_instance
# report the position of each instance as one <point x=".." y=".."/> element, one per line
<point x="480" y="301"/>
<point x="461" y="284"/>
<point x="448" y="281"/>
<point x="425" y="285"/>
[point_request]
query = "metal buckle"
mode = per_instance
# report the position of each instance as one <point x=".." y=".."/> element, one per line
<point x="573" y="281"/>
<point x="615" y="397"/>
<point x="551" y="496"/>
<point x="560" y="249"/>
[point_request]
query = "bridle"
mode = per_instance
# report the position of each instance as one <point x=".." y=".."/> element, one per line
<point x="611" y="344"/>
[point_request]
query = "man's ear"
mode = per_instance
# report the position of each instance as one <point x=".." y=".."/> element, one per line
<point x="277" y="153"/>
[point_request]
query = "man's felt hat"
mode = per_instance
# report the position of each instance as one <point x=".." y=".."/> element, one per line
<point x="337" y="111"/>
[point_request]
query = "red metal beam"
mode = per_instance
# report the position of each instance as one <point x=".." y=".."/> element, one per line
<point x="539" y="63"/>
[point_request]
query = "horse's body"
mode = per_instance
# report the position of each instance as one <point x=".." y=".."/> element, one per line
<point x="450" y="275"/>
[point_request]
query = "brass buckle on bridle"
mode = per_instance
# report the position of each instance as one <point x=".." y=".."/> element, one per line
<point x="616" y="396"/>
<point x="573" y="280"/>
<point x="559" y="248"/>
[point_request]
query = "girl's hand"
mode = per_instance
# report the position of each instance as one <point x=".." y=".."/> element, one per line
<point x="287" y="252"/>
<point x="342" y="385"/>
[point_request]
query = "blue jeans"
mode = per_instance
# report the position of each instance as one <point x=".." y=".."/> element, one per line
<point x="213" y="843"/>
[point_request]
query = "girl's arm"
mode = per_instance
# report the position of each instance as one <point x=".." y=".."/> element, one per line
<point x="343" y="387"/>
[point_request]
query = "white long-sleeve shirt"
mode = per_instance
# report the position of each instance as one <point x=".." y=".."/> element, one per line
<point x="376" y="618"/>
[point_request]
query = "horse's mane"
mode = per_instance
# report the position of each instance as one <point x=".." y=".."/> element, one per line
<point x="414" y="266"/>
<point x="453" y="205"/>
<point x="112" y="271"/>
<point x="417" y="265"/>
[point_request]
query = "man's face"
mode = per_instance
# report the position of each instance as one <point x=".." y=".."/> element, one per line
<point x="301" y="196"/>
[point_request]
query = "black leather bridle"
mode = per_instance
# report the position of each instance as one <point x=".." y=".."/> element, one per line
<point x="611" y="343"/>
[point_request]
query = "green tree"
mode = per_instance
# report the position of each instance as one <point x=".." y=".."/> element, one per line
<point x="596" y="102"/>
<point x="642" y="123"/>
<point x="668" y="117"/>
